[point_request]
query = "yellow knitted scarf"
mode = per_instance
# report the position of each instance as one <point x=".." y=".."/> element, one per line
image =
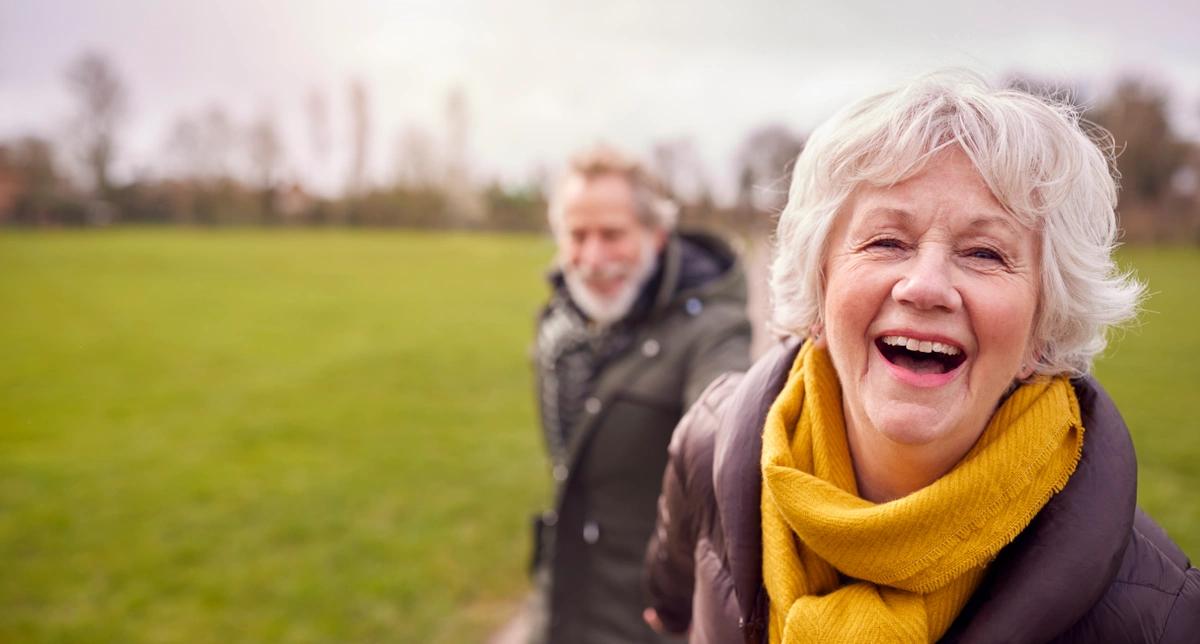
<point x="838" y="568"/>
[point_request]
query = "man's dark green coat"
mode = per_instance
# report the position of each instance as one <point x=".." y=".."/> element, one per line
<point x="607" y="460"/>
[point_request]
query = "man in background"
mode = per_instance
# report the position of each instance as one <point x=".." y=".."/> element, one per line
<point x="640" y="319"/>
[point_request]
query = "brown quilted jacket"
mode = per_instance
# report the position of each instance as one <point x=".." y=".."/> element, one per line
<point x="1091" y="567"/>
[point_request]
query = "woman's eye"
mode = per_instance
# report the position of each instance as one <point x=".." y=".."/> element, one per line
<point x="985" y="254"/>
<point x="886" y="242"/>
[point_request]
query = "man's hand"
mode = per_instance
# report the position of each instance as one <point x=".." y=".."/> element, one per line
<point x="651" y="617"/>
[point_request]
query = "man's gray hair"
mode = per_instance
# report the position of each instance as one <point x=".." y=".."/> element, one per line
<point x="654" y="210"/>
<point x="1047" y="167"/>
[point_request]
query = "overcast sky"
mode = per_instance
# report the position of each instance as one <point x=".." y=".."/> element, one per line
<point x="543" y="78"/>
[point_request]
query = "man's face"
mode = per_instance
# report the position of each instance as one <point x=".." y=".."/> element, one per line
<point x="605" y="252"/>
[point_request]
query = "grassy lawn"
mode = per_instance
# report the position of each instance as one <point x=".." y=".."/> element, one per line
<point x="314" y="436"/>
<point x="256" y="436"/>
<point x="1153" y="372"/>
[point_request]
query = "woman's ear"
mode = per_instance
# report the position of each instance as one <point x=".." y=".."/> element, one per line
<point x="1029" y="366"/>
<point x="816" y="333"/>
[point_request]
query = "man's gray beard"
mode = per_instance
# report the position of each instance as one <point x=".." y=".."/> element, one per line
<point x="606" y="311"/>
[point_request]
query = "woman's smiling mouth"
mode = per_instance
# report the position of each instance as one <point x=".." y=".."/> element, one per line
<point x="919" y="362"/>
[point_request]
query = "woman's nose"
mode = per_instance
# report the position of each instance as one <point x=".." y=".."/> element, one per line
<point x="926" y="282"/>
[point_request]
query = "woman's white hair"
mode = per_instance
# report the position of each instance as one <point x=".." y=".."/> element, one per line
<point x="1048" y="168"/>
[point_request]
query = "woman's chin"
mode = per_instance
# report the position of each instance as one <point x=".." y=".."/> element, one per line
<point x="911" y="425"/>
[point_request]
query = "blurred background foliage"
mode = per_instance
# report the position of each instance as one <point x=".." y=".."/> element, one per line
<point x="217" y="171"/>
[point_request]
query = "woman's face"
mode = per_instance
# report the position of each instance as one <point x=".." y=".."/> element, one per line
<point x="930" y="295"/>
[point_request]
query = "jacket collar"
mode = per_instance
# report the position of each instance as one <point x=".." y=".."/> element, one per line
<point x="1077" y="541"/>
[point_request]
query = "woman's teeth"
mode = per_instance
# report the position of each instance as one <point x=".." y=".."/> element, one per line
<point x="922" y="346"/>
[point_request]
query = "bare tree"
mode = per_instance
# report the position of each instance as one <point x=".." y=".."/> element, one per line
<point x="1150" y="158"/>
<point x="1150" y="152"/>
<point x="33" y="181"/>
<point x="265" y="155"/>
<point x="764" y="165"/>
<point x="317" y="109"/>
<point x="198" y="147"/>
<point x="265" y="151"/>
<point x="101" y="105"/>
<point x="676" y="163"/>
<point x="416" y="159"/>
<point x="182" y="147"/>
<point x="360" y="126"/>
<point x="219" y="137"/>
<point x="466" y="205"/>
<point x="456" y="135"/>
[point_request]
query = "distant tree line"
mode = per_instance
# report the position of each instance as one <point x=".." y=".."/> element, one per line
<point x="215" y="171"/>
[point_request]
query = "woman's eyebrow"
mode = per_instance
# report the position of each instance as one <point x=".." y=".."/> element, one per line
<point x="1001" y="224"/>
<point x="1004" y="224"/>
<point x="892" y="212"/>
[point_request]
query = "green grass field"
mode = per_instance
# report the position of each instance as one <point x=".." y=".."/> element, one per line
<point x="312" y="436"/>
<point x="1152" y="371"/>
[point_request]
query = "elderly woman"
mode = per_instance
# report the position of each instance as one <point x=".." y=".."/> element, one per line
<point x="931" y="462"/>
